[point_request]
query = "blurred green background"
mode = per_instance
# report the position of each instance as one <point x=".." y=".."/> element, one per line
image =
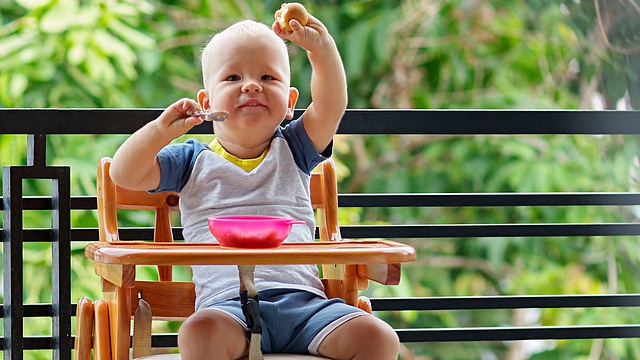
<point x="438" y="54"/>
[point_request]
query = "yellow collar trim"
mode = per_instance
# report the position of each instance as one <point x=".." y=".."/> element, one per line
<point x="244" y="164"/>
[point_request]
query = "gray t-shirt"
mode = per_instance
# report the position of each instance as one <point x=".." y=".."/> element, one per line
<point x="211" y="185"/>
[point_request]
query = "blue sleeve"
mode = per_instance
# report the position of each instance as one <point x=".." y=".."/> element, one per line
<point x="304" y="153"/>
<point x="176" y="163"/>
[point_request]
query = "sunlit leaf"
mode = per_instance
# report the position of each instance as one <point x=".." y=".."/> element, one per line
<point x="33" y="4"/>
<point x="59" y="17"/>
<point x="18" y="85"/>
<point x="84" y="81"/>
<point x="356" y="52"/>
<point x="14" y="42"/>
<point x="614" y="82"/>
<point x="633" y="80"/>
<point x="151" y="60"/>
<point x="130" y="35"/>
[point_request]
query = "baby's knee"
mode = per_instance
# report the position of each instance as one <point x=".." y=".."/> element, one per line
<point x="191" y="329"/>
<point x="381" y="334"/>
<point x="375" y="335"/>
<point x="377" y="340"/>
<point x="199" y="326"/>
<point x="211" y="335"/>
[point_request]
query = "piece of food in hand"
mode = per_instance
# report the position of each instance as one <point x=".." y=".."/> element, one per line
<point x="291" y="11"/>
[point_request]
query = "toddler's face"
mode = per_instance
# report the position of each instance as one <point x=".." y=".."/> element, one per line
<point x="248" y="76"/>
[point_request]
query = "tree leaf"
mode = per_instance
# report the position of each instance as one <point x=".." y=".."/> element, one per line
<point x="357" y="45"/>
<point x="33" y="4"/>
<point x="18" y="85"/>
<point x="614" y="82"/>
<point x="59" y="17"/>
<point x="130" y="35"/>
<point x="633" y="80"/>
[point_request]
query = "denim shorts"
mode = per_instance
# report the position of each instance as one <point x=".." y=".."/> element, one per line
<point x="293" y="321"/>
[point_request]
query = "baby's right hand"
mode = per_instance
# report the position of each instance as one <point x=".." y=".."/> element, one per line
<point x="178" y="118"/>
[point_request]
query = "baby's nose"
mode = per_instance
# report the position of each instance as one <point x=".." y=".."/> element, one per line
<point x="251" y="86"/>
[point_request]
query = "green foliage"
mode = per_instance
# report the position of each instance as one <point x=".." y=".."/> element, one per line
<point x="69" y="53"/>
<point x="608" y="32"/>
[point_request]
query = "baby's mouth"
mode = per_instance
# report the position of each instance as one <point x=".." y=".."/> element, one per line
<point x="251" y="103"/>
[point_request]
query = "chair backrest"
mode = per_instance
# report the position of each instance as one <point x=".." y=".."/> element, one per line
<point x="175" y="300"/>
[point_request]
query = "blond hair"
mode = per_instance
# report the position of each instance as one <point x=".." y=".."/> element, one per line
<point x="245" y="30"/>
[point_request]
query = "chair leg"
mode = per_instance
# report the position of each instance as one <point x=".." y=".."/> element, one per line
<point x="102" y="336"/>
<point x="119" y="300"/>
<point x="84" y="329"/>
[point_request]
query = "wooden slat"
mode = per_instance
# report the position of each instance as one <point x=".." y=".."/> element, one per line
<point x="168" y="300"/>
<point x="84" y="329"/>
<point x="102" y="338"/>
<point x="317" y="195"/>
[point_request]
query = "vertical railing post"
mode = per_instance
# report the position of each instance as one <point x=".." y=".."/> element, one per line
<point x="13" y="247"/>
<point x="12" y="262"/>
<point x="61" y="263"/>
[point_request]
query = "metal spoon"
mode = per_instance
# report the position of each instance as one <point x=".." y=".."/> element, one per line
<point x="213" y="115"/>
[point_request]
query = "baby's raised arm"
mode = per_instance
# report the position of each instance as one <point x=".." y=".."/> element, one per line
<point x="328" y="79"/>
<point x="134" y="165"/>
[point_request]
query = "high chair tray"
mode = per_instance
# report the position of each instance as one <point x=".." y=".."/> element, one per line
<point x="325" y="252"/>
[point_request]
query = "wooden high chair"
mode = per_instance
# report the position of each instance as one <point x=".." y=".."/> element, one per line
<point x="350" y="265"/>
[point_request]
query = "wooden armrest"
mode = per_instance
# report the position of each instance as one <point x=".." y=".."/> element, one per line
<point x="385" y="274"/>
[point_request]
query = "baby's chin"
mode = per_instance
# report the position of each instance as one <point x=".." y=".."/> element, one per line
<point x="247" y="126"/>
<point x="260" y="116"/>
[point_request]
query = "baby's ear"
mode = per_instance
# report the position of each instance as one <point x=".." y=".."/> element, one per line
<point x="293" y="98"/>
<point x="203" y="99"/>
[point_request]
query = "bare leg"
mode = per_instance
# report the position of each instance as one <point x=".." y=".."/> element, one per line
<point x="361" y="338"/>
<point x="212" y="335"/>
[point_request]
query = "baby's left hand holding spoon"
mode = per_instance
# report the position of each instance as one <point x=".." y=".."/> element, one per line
<point x="192" y="109"/>
<point x="178" y="118"/>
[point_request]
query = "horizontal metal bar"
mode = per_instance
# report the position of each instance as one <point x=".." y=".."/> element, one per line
<point x="421" y="200"/>
<point x="84" y="203"/>
<point x="164" y="340"/>
<point x="38" y="342"/>
<point x="44" y="203"/>
<point x="488" y="230"/>
<point x="74" y="121"/>
<point x="450" y="303"/>
<point x="518" y="333"/>
<point x="489" y="199"/>
<point x="39" y="310"/>
<point x="485" y="334"/>
<point x="395" y="231"/>
<point x="474" y="122"/>
<point x="441" y="335"/>
<point x="505" y="302"/>
<point x="355" y="121"/>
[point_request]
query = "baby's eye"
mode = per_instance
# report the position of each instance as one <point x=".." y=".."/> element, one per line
<point x="233" y="77"/>
<point x="267" y="77"/>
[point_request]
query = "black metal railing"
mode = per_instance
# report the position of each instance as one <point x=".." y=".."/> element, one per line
<point x="37" y="124"/>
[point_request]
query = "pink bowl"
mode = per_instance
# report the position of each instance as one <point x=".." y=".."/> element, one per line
<point x="251" y="231"/>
